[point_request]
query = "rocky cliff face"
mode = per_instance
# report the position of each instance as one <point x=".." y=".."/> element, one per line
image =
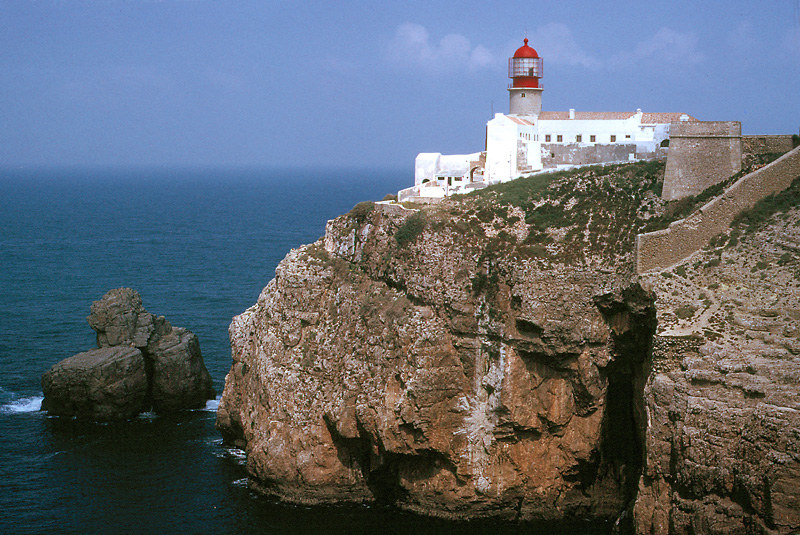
<point x="491" y="356"/>
<point x="723" y="440"/>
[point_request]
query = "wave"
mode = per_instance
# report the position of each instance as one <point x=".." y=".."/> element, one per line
<point x="236" y="455"/>
<point x="211" y="405"/>
<point x="31" y="404"/>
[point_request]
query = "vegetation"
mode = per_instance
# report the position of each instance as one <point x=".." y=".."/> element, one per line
<point x="410" y="229"/>
<point x="361" y="211"/>
<point x="589" y="215"/>
<point x="755" y="218"/>
<point x="564" y="216"/>
<point x="681" y="208"/>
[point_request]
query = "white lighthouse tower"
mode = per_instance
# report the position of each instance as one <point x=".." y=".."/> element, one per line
<point x="525" y="92"/>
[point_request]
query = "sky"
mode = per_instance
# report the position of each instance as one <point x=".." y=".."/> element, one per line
<point x="366" y="84"/>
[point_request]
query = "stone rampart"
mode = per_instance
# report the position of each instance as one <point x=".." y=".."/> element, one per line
<point x="664" y="248"/>
<point x="555" y="154"/>
<point x="701" y="154"/>
<point x="754" y="145"/>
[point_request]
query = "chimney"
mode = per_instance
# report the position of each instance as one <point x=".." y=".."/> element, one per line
<point x="572" y="113"/>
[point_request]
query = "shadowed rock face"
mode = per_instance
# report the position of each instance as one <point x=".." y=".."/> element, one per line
<point x="102" y="384"/>
<point x="141" y="363"/>
<point x="368" y="371"/>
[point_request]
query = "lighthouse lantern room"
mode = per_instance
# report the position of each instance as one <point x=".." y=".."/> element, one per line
<point x="525" y="69"/>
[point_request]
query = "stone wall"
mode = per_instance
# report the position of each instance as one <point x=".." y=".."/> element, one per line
<point x="663" y="248"/>
<point x="555" y="154"/>
<point x="701" y="154"/>
<point x="669" y="351"/>
<point x="767" y="144"/>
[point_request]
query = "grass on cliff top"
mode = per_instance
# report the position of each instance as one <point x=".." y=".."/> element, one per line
<point x="756" y="218"/>
<point x="576" y="216"/>
<point x="564" y="216"/>
<point x="768" y="207"/>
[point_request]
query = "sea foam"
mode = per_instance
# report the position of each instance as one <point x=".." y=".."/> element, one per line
<point x="31" y="404"/>
<point x="212" y="405"/>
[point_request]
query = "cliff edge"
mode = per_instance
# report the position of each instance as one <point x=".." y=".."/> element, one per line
<point x="490" y="356"/>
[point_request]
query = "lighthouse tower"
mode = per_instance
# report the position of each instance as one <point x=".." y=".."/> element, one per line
<point x="525" y="92"/>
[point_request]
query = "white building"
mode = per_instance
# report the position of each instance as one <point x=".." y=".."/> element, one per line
<point x="528" y="140"/>
<point x="437" y="175"/>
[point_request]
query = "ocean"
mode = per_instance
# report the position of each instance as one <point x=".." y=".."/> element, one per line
<point x="199" y="245"/>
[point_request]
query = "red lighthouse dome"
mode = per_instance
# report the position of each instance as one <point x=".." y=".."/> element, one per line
<point x="525" y="68"/>
<point x="525" y="51"/>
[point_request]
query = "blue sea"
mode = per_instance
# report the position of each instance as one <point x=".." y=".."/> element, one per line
<point x="198" y="245"/>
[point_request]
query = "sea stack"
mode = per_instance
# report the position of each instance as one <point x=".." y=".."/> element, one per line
<point x="141" y="363"/>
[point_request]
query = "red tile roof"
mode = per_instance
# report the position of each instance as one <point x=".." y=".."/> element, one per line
<point x="647" y="118"/>
<point x="586" y="115"/>
<point x="668" y="117"/>
<point x="520" y="120"/>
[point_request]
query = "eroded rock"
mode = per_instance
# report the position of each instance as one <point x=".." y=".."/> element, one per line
<point x="723" y="441"/>
<point x="141" y="363"/>
<point x="467" y="370"/>
<point x="389" y="374"/>
<point x="108" y="383"/>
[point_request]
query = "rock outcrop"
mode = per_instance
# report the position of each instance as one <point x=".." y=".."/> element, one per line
<point x="141" y="363"/>
<point x="723" y="400"/>
<point x="104" y="384"/>
<point x="446" y="361"/>
<point x="496" y="356"/>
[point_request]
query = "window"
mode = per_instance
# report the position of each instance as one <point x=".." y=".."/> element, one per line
<point x="559" y="138"/>
<point x="522" y="95"/>
<point x="613" y="139"/>
<point x="592" y="138"/>
<point x="578" y="138"/>
<point x="547" y="138"/>
<point x="627" y="136"/>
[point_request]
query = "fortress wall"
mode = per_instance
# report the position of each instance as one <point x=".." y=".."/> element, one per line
<point x="664" y="248"/>
<point x="701" y="154"/>
<point x="554" y="154"/>
<point x="753" y="145"/>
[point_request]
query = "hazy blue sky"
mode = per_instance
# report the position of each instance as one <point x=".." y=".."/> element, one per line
<point x="365" y="83"/>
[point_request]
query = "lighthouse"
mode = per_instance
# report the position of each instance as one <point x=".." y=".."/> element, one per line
<point x="525" y="91"/>
<point x="528" y="140"/>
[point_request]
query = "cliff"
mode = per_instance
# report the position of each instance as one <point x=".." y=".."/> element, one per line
<point x="495" y="356"/>
<point x="723" y="435"/>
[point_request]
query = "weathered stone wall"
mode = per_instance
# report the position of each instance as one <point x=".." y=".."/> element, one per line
<point x="663" y="248"/>
<point x="701" y="154"/>
<point x="767" y="144"/>
<point x="555" y="154"/>
<point x="669" y="351"/>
